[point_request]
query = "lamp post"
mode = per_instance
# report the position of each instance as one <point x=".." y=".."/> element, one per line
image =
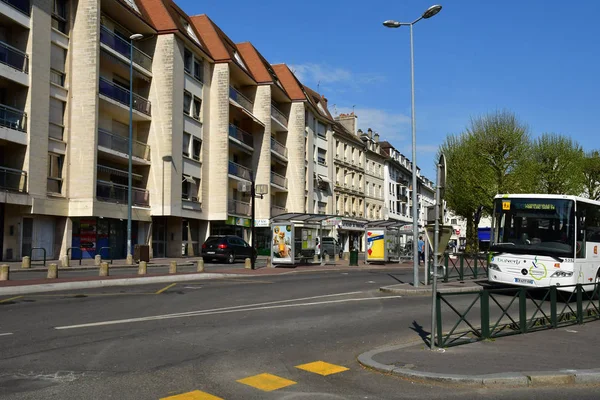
<point x="132" y="38"/>
<point x="430" y="12"/>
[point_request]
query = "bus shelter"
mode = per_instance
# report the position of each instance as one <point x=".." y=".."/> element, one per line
<point x="295" y="237"/>
<point x="383" y="240"/>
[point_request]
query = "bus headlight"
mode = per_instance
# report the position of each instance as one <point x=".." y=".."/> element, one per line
<point x="561" y="274"/>
<point x="495" y="267"/>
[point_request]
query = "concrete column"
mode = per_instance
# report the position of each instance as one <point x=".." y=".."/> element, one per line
<point x="104" y="269"/>
<point x="296" y="156"/>
<point x="64" y="260"/>
<point x="142" y="268"/>
<point x="261" y="159"/>
<point x="52" y="271"/>
<point x="26" y="262"/>
<point x="248" y="263"/>
<point x="4" y="272"/>
<point x="200" y="267"/>
<point x="97" y="259"/>
<point x="173" y="267"/>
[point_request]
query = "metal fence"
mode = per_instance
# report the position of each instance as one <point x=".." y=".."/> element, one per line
<point x="465" y="266"/>
<point x="494" y="313"/>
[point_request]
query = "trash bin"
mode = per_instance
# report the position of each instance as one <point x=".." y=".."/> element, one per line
<point x="141" y="252"/>
<point x="353" y="258"/>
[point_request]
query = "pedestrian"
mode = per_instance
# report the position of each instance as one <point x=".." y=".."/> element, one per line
<point x="421" y="247"/>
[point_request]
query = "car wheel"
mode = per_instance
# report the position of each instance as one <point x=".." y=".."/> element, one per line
<point x="231" y="258"/>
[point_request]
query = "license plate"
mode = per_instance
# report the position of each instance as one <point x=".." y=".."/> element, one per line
<point x="210" y="252"/>
<point x="526" y="281"/>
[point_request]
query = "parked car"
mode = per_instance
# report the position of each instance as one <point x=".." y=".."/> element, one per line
<point x="329" y="246"/>
<point x="226" y="248"/>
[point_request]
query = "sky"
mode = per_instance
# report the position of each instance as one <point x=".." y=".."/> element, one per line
<point x="537" y="59"/>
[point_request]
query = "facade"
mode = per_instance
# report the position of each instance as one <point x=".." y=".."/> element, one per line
<point x="375" y="208"/>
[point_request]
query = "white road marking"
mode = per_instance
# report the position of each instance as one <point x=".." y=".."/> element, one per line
<point x="371" y="282"/>
<point x="224" y="311"/>
<point x="5" y="334"/>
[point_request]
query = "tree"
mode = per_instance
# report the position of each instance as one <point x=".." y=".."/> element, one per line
<point x="559" y="163"/>
<point x="591" y="174"/>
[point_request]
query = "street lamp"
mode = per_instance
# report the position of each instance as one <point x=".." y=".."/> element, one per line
<point x="132" y="38"/>
<point x="430" y="12"/>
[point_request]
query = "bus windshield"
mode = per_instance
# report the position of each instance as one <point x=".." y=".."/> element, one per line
<point x="534" y="226"/>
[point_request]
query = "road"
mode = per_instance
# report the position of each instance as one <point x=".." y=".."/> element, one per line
<point x="210" y="337"/>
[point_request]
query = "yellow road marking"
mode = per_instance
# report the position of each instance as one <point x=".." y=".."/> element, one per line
<point x="266" y="382"/>
<point x="322" y="368"/>
<point x="10" y="298"/>
<point x="195" y="395"/>
<point x="166" y="288"/>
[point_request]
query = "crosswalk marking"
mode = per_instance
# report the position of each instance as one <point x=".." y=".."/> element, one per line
<point x="266" y="382"/>
<point x="322" y="368"/>
<point x="195" y="395"/>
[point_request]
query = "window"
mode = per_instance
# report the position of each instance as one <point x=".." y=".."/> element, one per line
<point x="189" y="30"/>
<point x="239" y="60"/>
<point x="187" y="60"/>
<point x="322" y="131"/>
<point x="187" y="102"/>
<point x="58" y="56"/>
<point x="189" y="188"/>
<point x="197" y="105"/>
<point x="193" y="65"/>
<point x="199" y="70"/>
<point x="56" y="118"/>
<point x="322" y="157"/>
<point x="55" y="163"/>
<point x="196" y="148"/>
<point x="322" y="207"/>
<point x="186" y="144"/>
<point x="59" y="15"/>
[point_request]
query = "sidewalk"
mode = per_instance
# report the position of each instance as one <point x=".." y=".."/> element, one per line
<point x="567" y="355"/>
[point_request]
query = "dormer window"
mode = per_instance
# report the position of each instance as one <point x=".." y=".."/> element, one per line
<point x="131" y="3"/>
<point x="190" y="31"/>
<point x="238" y="59"/>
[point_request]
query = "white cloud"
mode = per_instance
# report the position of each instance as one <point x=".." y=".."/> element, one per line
<point x="393" y="127"/>
<point x="312" y="73"/>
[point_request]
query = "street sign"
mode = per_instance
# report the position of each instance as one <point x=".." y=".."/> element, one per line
<point x="443" y="237"/>
<point x="442" y="177"/>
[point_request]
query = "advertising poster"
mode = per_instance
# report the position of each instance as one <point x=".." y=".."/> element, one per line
<point x="282" y="244"/>
<point x="87" y="234"/>
<point x="376" y="245"/>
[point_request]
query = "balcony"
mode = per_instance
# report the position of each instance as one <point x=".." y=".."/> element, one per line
<point x="121" y="95"/>
<point x="13" y="180"/>
<point x="238" y="207"/>
<point x="115" y="193"/>
<point x="239" y="98"/>
<point x="121" y="46"/>
<point x="21" y="5"/>
<point x="278" y="210"/>
<point x="12" y="118"/>
<point x="279" y="148"/>
<point x="278" y="180"/>
<point x="240" y="171"/>
<point x="13" y="57"/>
<point x="120" y="144"/>
<point x="241" y="136"/>
<point x="279" y="116"/>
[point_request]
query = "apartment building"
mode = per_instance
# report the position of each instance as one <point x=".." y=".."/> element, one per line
<point x="374" y="178"/>
<point x="397" y="183"/>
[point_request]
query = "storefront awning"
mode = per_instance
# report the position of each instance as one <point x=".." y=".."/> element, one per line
<point x="387" y="224"/>
<point x="301" y="217"/>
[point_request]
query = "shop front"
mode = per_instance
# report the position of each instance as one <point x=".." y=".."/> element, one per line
<point x="232" y="226"/>
<point x="104" y="236"/>
<point x="350" y="232"/>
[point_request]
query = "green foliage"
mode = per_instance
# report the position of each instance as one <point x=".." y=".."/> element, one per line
<point x="591" y="174"/>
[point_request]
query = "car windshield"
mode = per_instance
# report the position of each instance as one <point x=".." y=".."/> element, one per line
<point x="534" y="226"/>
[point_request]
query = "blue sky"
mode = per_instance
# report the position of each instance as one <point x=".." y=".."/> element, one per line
<point x="539" y="59"/>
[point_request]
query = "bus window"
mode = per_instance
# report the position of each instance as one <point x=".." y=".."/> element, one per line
<point x="581" y="230"/>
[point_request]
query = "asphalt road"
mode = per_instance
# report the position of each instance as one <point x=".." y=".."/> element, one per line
<point x="156" y="341"/>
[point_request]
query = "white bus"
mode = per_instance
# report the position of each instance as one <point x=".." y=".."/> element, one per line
<point x="542" y="240"/>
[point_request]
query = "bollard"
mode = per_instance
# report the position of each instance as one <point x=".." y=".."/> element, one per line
<point x="326" y="258"/>
<point x="248" y="263"/>
<point x="52" y="271"/>
<point x="64" y="261"/>
<point x="4" y="272"/>
<point x="173" y="267"/>
<point x="98" y="260"/>
<point x="269" y="265"/>
<point x="129" y="260"/>
<point x="104" y="269"/>
<point x="142" y="268"/>
<point x="336" y="258"/>
<point x="200" y="267"/>
<point x="26" y="262"/>
<point x="316" y="258"/>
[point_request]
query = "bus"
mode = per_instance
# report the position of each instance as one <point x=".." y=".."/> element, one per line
<point x="540" y="240"/>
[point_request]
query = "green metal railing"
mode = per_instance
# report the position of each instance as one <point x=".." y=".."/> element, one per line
<point x="465" y="266"/>
<point x="495" y="313"/>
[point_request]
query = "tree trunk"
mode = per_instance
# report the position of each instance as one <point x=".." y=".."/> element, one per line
<point x="472" y="245"/>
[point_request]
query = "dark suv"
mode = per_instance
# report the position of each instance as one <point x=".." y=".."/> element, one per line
<point x="226" y="248"/>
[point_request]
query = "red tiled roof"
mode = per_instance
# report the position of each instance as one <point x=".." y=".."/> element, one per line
<point x="290" y="83"/>
<point x="143" y="14"/>
<point x="255" y="62"/>
<point x="215" y="39"/>
<point x="315" y="98"/>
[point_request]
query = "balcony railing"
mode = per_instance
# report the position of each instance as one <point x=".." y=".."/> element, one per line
<point x="115" y="193"/>
<point x="13" y="57"/>
<point x="13" y="179"/>
<point x="278" y="180"/>
<point x="121" y="144"/>
<point x="238" y="207"/>
<point x="120" y="94"/>
<point x="279" y="148"/>
<point x="21" y="5"/>
<point x="277" y="210"/>
<point x="121" y="46"/>
<point x="279" y="116"/>
<point x="240" y="171"/>
<point x="239" y="98"/>
<point x="13" y="118"/>
<point x="241" y="135"/>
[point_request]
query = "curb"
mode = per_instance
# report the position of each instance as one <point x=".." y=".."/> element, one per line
<point x="527" y="378"/>
<point x="98" y="283"/>
<point x="95" y="267"/>
<point x="409" y="290"/>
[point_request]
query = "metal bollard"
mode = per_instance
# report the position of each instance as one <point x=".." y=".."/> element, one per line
<point x="52" y="271"/>
<point x="4" y="272"/>
<point x="248" y="263"/>
<point x="173" y="267"/>
<point x="26" y="262"/>
<point x="65" y="262"/>
<point x="98" y="260"/>
<point x="104" y="269"/>
<point x="200" y="267"/>
<point x="142" y="268"/>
